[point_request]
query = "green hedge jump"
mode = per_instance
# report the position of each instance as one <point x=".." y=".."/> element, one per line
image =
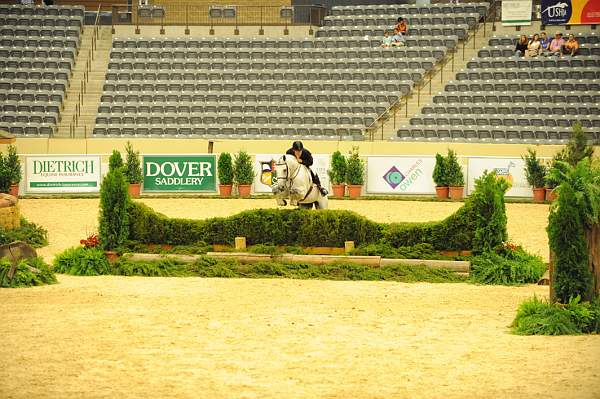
<point x="468" y="228"/>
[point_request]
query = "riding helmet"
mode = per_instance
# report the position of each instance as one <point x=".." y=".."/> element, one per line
<point x="297" y="146"/>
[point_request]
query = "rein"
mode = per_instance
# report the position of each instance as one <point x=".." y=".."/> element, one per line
<point x="287" y="172"/>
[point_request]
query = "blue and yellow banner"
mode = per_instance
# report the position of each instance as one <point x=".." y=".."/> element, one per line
<point x="570" y="12"/>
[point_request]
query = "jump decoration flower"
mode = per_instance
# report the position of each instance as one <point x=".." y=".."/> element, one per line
<point x="91" y="242"/>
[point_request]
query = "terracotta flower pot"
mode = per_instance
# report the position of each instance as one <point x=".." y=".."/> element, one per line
<point x="539" y="194"/>
<point x="225" y="190"/>
<point x="338" y="190"/>
<point x="14" y="190"/>
<point x="456" y="192"/>
<point x="244" y="190"/>
<point x="134" y="189"/>
<point x="111" y="256"/>
<point x="354" y="190"/>
<point x="442" y="192"/>
<point x="550" y="195"/>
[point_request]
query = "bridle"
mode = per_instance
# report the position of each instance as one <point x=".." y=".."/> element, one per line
<point x="287" y="176"/>
<point x="290" y="179"/>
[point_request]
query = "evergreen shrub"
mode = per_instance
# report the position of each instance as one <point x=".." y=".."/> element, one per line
<point x="454" y="174"/>
<point x="114" y="215"/>
<point x="337" y="173"/>
<point x="115" y="161"/>
<point x="535" y="170"/>
<point x="13" y="165"/>
<point x="225" y="168"/>
<point x="243" y="171"/>
<point x="439" y="171"/>
<point x="355" y="168"/>
<point x="576" y="209"/>
<point x="133" y="168"/>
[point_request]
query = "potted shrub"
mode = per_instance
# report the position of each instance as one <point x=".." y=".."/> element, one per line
<point x="454" y="176"/>
<point x="355" y="173"/>
<point x="243" y="173"/>
<point x="5" y="177"/>
<point x="115" y="161"/>
<point x="337" y="174"/>
<point x="225" y="170"/>
<point x="13" y="169"/>
<point x="133" y="171"/>
<point x="439" y="177"/>
<point x="535" y="172"/>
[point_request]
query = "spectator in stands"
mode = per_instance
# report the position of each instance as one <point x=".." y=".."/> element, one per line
<point x="305" y="157"/>
<point x="400" y="29"/>
<point x="386" y="42"/>
<point x="398" y="40"/>
<point x="544" y="41"/>
<point x="571" y="46"/>
<point x="521" y="46"/>
<point x="556" y="45"/>
<point x="534" y="47"/>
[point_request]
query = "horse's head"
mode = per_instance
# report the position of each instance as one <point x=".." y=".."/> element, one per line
<point x="284" y="169"/>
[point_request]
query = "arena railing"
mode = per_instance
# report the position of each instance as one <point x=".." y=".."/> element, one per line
<point x="205" y="15"/>
<point x="83" y="83"/>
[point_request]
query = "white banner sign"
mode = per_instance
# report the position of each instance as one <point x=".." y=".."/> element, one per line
<point x="400" y="175"/>
<point x="63" y="174"/>
<point x="511" y="169"/>
<point x="516" y="12"/>
<point x="264" y="164"/>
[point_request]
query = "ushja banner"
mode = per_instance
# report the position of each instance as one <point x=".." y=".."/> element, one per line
<point x="570" y="12"/>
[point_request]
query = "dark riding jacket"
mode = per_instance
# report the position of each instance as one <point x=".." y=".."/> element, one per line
<point x="307" y="160"/>
<point x="305" y="156"/>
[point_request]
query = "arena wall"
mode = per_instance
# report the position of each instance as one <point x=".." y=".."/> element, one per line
<point x="190" y="146"/>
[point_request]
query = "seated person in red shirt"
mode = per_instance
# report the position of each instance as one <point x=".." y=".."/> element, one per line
<point x="400" y="30"/>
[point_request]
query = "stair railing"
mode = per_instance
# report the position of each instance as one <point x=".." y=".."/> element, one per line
<point x="83" y="83"/>
<point x="402" y="102"/>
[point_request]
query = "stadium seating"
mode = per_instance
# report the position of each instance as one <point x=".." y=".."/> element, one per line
<point x="426" y="20"/>
<point x="320" y="88"/>
<point x="38" y="47"/>
<point x="502" y="98"/>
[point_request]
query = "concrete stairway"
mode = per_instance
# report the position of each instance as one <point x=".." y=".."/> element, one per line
<point x="92" y="87"/>
<point x="412" y="105"/>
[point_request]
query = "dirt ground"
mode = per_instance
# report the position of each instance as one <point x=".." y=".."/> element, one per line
<point x="119" y="337"/>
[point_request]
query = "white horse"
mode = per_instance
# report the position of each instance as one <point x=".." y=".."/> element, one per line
<point x="294" y="182"/>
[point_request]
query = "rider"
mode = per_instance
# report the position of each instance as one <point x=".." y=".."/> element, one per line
<point x="305" y="157"/>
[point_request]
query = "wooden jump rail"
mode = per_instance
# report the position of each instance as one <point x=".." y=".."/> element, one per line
<point x="461" y="267"/>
